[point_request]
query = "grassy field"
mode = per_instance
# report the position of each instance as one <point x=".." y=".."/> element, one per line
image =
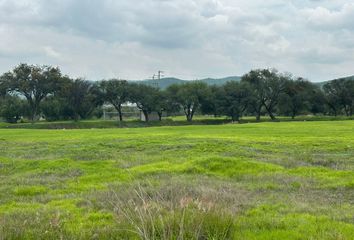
<point x="168" y="121"/>
<point x="287" y="180"/>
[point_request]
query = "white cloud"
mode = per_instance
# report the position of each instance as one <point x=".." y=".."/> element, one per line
<point x="187" y="38"/>
<point x="328" y="19"/>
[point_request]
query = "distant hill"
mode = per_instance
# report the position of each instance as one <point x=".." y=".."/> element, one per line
<point x="324" y="82"/>
<point x="166" y="82"/>
<point x="348" y="78"/>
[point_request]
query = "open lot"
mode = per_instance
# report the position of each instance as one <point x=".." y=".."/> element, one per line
<point x="287" y="180"/>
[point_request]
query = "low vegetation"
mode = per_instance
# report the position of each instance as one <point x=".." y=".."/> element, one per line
<point x="286" y="180"/>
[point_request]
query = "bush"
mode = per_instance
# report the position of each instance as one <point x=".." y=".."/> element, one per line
<point x="12" y="109"/>
<point x="51" y="109"/>
<point x="54" y="109"/>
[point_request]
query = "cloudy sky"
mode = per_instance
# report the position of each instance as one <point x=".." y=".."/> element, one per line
<point x="190" y="39"/>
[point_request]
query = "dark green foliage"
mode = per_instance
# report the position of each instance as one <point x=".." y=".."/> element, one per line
<point x="115" y="92"/>
<point x="34" y="83"/>
<point x="210" y="102"/>
<point x="260" y="92"/>
<point x="267" y="86"/>
<point x="3" y="86"/>
<point x="57" y="108"/>
<point x="297" y="97"/>
<point x="76" y="99"/>
<point x="189" y="97"/>
<point x="161" y="103"/>
<point x="81" y="98"/>
<point x="146" y="98"/>
<point x="317" y="101"/>
<point x="232" y="99"/>
<point x="12" y="108"/>
<point x="340" y="96"/>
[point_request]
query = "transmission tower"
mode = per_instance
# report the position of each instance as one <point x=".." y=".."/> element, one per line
<point x="160" y="74"/>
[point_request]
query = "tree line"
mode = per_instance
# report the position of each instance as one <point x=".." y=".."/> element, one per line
<point x="43" y="91"/>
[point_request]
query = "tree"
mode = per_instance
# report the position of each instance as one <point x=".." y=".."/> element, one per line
<point x="209" y="104"/>
<point x="81" y="98"/>
<point x="297" y="97"/>
<point x="116" y="92"/>
<point x="144" y="97"/>
<point x="189" y="97"/>
<point x="161" y="103"/>
<point x="232" y="99"/>
<point x="317" y="101"/>
<point x="256" y="80"/>
<point x="3" y="86"/>
<point x="75" y="99"/>
<point x="266" y="85"/>
<point x="332" y="93"/>
<point x="275" y="86"/>
<point x="340" y="95"/>
<point x="34" y="83"/>
<point x="56" y="106"/>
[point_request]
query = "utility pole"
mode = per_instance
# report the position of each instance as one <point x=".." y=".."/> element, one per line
<point x="160" y="74"/>
<point x="155" y="84"/>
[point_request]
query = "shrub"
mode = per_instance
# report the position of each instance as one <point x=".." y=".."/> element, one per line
<point x="12" y="109"/>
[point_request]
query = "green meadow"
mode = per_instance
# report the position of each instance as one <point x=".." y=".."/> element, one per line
<point x="284" y="180"/>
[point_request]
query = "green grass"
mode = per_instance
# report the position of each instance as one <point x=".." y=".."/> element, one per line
<point x="169" y="121"/>
<point x="284" y="180"/>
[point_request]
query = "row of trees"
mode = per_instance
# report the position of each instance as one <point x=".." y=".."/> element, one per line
<point x="36" y="91"/>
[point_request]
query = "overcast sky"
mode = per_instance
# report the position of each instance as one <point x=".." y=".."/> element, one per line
<point x="190" y="39"/>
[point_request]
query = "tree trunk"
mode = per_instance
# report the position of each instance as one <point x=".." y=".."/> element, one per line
<point x="76" y="117"/>
<point x="270" y="112"/>
<point x="33" y="114"/>
<point x="119" y="110"/>
<point x="235" y="118"/>
<point x="192" y="114"/>
<point x="347" y="111"/>
<point x="33" y="108"/>
<point x="160" y="115"/>
<point x="258" y="113"/>
<point x="189" y="115"/>
<point x="334" y="109"/>
<point x="271" y="115"/>
<point x="120" y="115"/>
<point x="32" y="118"/>
<point x="146" y="114"/>
<point x="294" y="112"/>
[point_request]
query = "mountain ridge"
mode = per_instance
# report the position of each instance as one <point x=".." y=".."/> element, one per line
<point x="164" y="83"/>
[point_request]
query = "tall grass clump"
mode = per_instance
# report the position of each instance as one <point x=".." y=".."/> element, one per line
<point x="151" y="214"/>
